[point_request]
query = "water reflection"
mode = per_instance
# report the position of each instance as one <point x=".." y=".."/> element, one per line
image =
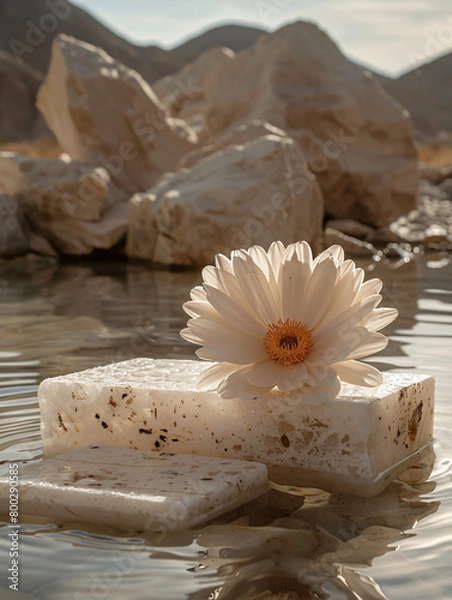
<point x="289" y="544"/>
<point x="305" y="546"/>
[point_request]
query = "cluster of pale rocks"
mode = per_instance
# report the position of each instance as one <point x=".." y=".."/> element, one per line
<point x="234" y="150"/>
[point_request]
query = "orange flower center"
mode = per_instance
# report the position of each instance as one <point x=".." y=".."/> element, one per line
<point x="288" y="342"/>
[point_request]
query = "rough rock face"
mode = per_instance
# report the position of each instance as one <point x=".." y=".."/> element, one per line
<point x="66" y="202"/>
<point x="105" y="114"/>
<point x="433" y="174"/>
<point x="55" y="188"/>
<point x="236" y="136"/>
<point x="13" y="239"/>
<point x="243" y="195"/>
<point x="19" y="83"/>
<point x="183" y="92"/>
<point x="82" y="237"/>
<point x="357" y="139"/>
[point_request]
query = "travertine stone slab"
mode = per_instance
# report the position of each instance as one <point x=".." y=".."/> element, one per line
<point x="355" y="443"/>
<point x="136" y="489"/>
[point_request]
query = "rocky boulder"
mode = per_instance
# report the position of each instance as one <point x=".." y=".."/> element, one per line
<point x="105" y="114"/>
<point x="183" y="92"/>
<point x="239" y="135"/>
<point x="77" y="238"/>
<point x="56" y="188"/>
<point x="357" y="140"/>
<point x="433" y="174"/>
<point x="13" y="239"/>
<point x="240" y="196"/>
<point x="74" y="206"/>
<point x="431" y="222"/>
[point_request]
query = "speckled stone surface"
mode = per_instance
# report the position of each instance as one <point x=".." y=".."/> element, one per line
<point x="135" y="489"/>
<point x="355" y="443"/>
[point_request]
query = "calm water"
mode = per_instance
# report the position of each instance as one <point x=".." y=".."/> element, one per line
<point x="60" y="318"/>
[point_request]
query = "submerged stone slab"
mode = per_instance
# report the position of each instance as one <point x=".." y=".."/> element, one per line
<point x="135" y="489"/>
<point x="356" y="443"/>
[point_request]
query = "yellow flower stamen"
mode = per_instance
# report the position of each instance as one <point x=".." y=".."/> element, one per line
<point x="288" y="342"/>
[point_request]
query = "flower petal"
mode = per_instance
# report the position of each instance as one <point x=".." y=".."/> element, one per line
<point x="275" y="254"/>
<point x="188" y="335"/>
<point x="294" y="378"/>
<point x="379" y="318"/>
<point x="344" y="295"/>
<point x="320" y="375"/>
<point x="358" y="373"/>
<point x="227" y="283"/>
<point x="270" y="373"/>
<point x="234" y="312"/>
<point x="260" y="257"/>
<point x="225" y="343"/>
<point x="301" y="250"/>
<point x="200" y="308"/>
<point x="318" y="292"/>
<point x="209" y="275"/>
<point x="294" y="277"/>
<point x="374" y="343"/>
<point x="236" y="385"/>
<point x="336" y="252"/>
<point x="204" y="355"/>
<point x="262" y="260"/>
<point x="223" y="263"/>
<point x="210" y="379"/>
<point x="313" y="395"/>
<point x="198" y="293"/>
<point x="255" y="288"/>
<point x="335" y="348"/>
<point x="346" y="320"/>
<point x="373" y="286"/>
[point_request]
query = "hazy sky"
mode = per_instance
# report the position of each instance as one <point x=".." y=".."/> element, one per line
<point x="390" y="36"/>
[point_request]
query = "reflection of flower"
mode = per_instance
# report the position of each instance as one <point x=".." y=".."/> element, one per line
<point x="280" y="319"/>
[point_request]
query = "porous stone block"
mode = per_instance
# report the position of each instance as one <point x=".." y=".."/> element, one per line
<point x="356" y="443"/>
<point x="135" y="489"/>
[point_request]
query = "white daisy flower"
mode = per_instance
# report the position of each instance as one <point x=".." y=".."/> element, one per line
<point x="281" y="321"/>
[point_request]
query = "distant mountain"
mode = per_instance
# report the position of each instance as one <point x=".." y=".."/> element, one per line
<point x="381" y="79"/>
<point x="19" y="83"/>
<point x="426" y="92"/>
<point x="235" y="37"/>
<point x="23" y="26"/>
<point x="24" y="23"/>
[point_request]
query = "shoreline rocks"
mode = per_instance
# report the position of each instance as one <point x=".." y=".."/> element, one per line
<point x="357" y="139"/>
<point x="13" y="238"/>
<point x="183" y="92"/>
<point x="56" y="188"/>
<point x="238" y="197"/>
<point x="105" y="114"/>
<point x="73" y="206"/>
<point x="290" y="118"/>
